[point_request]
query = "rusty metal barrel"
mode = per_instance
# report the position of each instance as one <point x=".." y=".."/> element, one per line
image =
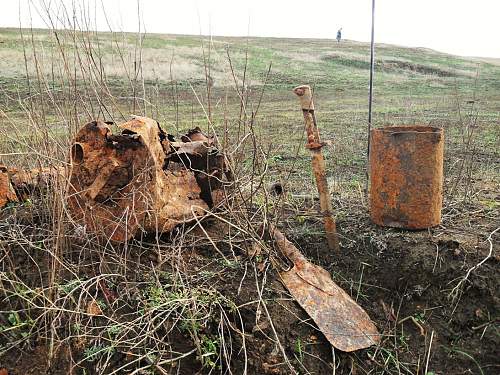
<point x="406" y="174"/>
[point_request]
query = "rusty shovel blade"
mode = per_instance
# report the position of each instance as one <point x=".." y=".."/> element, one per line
<point x="343" y="322"/>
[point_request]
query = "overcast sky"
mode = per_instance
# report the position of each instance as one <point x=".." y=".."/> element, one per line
<point x="470" y="28"/>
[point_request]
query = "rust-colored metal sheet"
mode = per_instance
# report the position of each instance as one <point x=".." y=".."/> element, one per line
<point x="7" y="193"/>
<point x="343" y="322"/>
<point x="21" y="185"/>
<point x="30" y="182"/>
<point x="406" y="175"/>
<point x="141" y="179"/>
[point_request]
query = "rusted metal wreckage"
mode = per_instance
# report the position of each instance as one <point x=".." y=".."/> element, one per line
<point x="7" y="193"/>
<point x="142" y="179"/>
<point x="18" y="185"/>
<point x="139" y="180"/>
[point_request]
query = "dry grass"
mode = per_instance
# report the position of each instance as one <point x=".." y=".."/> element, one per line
<point x="151" y="304"/>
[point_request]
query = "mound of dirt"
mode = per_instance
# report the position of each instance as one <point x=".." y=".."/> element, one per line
<point x="389" y="65"/>
<point x="418" y="68"/>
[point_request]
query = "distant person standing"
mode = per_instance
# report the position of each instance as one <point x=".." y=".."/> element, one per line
<point x="339" y="35"/>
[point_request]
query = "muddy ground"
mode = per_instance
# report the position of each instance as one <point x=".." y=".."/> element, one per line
<point x="404" y="280"/>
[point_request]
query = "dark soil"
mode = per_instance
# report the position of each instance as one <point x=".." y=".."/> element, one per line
<point x="400" y="274"/>
<point x="403" y="279"/>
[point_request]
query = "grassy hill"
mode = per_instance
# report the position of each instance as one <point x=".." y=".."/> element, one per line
<point x="167" y="76"/>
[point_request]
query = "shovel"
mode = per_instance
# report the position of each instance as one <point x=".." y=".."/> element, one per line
<point x="343" y="322"/>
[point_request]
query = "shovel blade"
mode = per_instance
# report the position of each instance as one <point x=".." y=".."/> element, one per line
<point x="343" y="322"/>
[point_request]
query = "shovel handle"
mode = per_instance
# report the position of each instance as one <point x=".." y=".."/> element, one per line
<point x="286" y="247"/>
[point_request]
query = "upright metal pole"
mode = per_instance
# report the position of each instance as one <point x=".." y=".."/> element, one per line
<point x="370" y="95"/>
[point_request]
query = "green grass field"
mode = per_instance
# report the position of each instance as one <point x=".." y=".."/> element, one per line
<point x="167" y="75"/>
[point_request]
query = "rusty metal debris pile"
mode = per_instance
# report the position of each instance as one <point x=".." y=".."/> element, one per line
<point x="18" y="185"/>
<point x="142" y="179"/>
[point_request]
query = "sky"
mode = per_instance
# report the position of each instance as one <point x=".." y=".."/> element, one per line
<point x="461" y="27"/>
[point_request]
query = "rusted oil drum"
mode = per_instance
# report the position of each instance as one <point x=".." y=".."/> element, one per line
<point x="406" y="164"/>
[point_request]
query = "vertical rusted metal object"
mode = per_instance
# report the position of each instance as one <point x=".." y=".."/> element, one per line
<point x="314" y="144"/>
<point x="406" y="164"/>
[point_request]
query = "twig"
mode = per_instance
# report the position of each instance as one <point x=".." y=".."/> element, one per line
<point x="429" y="353"/>
<point x="456" y="290"/>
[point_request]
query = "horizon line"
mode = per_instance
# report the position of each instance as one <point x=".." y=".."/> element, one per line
<point x="246" y="36"/>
